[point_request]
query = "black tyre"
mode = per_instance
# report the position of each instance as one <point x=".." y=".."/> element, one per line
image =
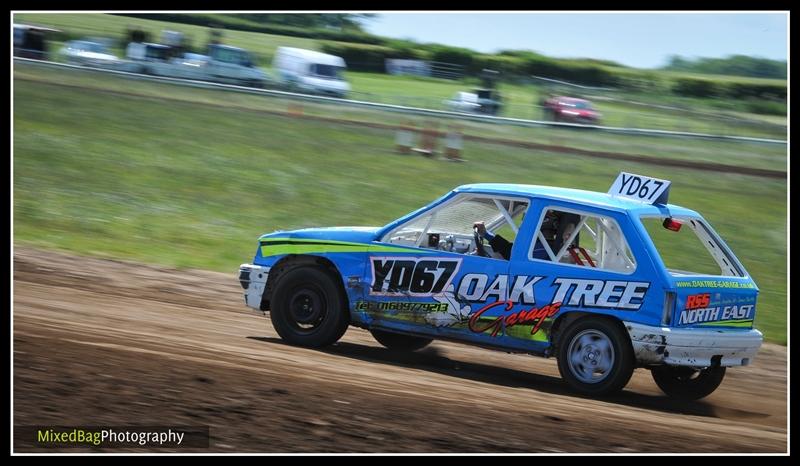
<point x="396" y="341"/>
<point x="595" y="357"/>
<point x="308" y="308"/>
<point x="686" y="383"/>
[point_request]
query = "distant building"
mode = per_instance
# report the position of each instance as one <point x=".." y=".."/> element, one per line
<point x="412" y="67"/>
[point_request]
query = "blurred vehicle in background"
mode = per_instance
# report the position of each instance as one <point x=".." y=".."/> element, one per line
<point x="193" y="59"/>
<point x="224" y="64"/>
<point x="310" y="71"/>
<point x="146" y="54"/>
<point x="233" y="65"/>
<point x="484" y="101"/>
<point x="463" y="102"/>
<point x="571" y="110"/>
<point x="489" y="101"/>
<point x="88" y="52"/>
<point x="29" y="41"/>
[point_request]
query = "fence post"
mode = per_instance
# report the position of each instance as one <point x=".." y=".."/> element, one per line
<point x="428" y="140"/>
<point x="404" y="140"/>
<point x="454" y="142"/>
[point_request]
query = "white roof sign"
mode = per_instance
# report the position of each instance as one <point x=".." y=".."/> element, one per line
<point x="641" y="188"/>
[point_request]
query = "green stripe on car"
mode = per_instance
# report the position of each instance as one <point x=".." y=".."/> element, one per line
<point x="281" y="246"/>
<point x="729" y="323"/>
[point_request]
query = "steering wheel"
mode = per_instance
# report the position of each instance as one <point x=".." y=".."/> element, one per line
<point x="479" y="243"/>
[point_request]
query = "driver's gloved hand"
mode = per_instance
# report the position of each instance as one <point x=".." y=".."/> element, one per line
<point x="482" y="231"/>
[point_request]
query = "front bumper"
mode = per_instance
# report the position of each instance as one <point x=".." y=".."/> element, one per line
<point x="693" y="347"/>
<point x="253" y="279"/>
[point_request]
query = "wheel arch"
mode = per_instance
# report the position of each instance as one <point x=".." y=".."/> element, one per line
<point x="291" y="261"/>
<point x="567" y="319"/>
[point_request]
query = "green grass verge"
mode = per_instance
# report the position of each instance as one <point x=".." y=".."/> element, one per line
<point x="194" y="183"/>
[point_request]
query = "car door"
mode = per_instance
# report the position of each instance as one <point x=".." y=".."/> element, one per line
<point x="424" y="277"/>
<point x="581" y="259"/>
<point x="222" y="65"/>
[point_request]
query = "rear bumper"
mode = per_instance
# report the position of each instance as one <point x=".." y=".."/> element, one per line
<point x="693" y="347"/>
<point x="253" y="279"/>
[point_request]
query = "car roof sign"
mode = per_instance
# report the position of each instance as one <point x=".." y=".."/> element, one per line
<point x="640" y="188"/>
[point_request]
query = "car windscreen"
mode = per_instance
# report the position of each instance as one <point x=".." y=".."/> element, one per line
<point x="688" y="246"/>
<point x="326" y="71"/>
<point x="86" y="46"/>
<point x="233" y="56"/>
<point x="156" y="53"/>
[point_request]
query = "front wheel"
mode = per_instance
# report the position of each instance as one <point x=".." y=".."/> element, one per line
<point x="396" y="341"/>
<point x="595" y="357"/>
<point x="308" y="309"/>
<point x="686" y="383"/>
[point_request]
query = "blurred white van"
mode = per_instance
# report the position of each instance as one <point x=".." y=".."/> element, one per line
<point x="310" y="71"/>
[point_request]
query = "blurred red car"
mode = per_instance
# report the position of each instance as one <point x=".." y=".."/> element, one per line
<point x="572" y="110"/>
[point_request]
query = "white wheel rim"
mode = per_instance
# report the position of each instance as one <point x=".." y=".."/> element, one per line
<point x="590" y="356"/>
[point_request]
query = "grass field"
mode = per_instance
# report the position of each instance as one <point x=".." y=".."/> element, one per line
<point x="520" y="100"/>
<point x="193" y="183"/>
<point x="765" y="156"/>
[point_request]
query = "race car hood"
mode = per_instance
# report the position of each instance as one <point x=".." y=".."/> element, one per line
<point x="350" y="234"/>
<point x="318" y="241"/>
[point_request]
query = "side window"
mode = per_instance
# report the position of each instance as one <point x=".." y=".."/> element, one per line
<point x="691" y="249"/>
<point x="582" y="239"/>
<point x="228" y="56"/>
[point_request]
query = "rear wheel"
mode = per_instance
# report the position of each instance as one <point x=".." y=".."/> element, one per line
<point x="307" y="308"/>
<point x="396" y="341"/>
<point x="687" y="383"/>
<point x="595" y="357"/>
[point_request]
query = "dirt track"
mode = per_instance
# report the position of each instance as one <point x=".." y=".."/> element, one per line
<point x="100" y="342"/>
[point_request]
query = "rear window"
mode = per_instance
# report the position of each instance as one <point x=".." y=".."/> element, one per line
<point x="692" y="250"/>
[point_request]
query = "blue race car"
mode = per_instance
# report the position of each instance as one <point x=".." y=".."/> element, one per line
<point x="605" y="282"/>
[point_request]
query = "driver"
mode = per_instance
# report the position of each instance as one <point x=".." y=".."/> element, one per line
<point x="499" y="244"/>
<point x="556" y="228"/>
